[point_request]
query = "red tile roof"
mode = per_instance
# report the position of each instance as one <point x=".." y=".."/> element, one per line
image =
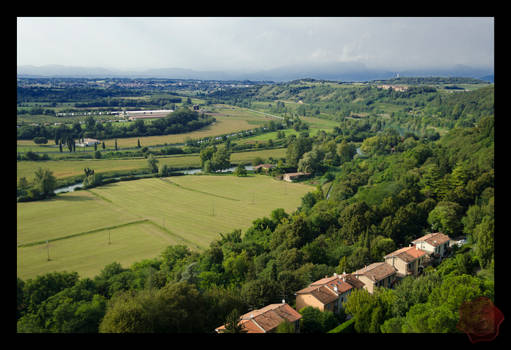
<point x="266" y="166"/>
<point x="324" y="289"/>
<point x="376" y="271"/>
<point x="435" y="239"/>
<point x="407" y="254"/>
<point x="266" y="319"/>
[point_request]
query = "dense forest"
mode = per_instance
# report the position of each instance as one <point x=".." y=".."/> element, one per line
<point x="403" y="185"/>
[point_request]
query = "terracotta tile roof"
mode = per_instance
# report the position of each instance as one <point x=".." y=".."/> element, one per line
<point x="296" y="174"/>
<point x="356" y="283"/>
<point x="376" y="271"/>
<point x="266" y="319"/>
<point x="266" y="166"/>
<point x="324" y="294"/>
<point x="435" y="239"/>
<point x="324" y="289"/>
<point x="407" y="254"/>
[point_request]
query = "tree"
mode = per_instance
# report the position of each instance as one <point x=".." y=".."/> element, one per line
<point x="220" y="159"/>
<point x="165" y="170"/>
<point x="232" y="323"/>
<point x="483" y="235"/>
<point x="316" y="321"/>
<point x="311" y="162"/>
<point x="40" y="140"/>
<point x="346" y="151"/>
<point x="296" y="148"/>
<point x="446" y="218"/>
<point x="240" y="171"/>
<point x="45" y="182"/>
<point x="153" y="163"/>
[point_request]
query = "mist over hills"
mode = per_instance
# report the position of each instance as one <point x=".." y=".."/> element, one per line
<point x="351" y="71"/>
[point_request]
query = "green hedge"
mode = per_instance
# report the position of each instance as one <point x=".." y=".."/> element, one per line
<point x="346" y="327"/>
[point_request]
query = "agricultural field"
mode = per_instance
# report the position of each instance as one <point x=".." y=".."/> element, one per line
<point x="142" y="217"/>
<point x="63" y="169"/>
<point x="228" y="120"/>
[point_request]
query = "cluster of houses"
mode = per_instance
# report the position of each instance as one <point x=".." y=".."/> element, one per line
<point x="393" y="87"/>
<point x="330" y="293"/>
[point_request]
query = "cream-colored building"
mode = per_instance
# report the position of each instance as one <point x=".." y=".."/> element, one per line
<point x="328" y="293"/>
<point x="378" y="274"/>
<point x="435" y="244"/>
<point x="406" y="260"/>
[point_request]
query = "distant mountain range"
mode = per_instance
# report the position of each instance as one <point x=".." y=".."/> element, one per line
<point x="337" y="71"/>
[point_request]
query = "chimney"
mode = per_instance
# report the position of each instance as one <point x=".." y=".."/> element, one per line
<point x="335" y="274"/>
<point x="283" y="301"/>
<point x="335" y="289"/>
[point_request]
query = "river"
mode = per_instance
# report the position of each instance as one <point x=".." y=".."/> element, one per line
<point x="71" y="188"/>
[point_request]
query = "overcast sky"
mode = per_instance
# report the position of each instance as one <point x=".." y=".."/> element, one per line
<point x="254" y="43"/>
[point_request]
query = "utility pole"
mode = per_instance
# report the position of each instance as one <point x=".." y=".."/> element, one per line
<point x="48" y="249"/>
<point x="109" y="242"/>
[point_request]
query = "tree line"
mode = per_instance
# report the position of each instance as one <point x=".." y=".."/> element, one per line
<point x="180" y="121"/>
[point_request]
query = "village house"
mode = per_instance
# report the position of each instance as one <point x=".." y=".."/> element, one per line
<point x="408" y="261"/>
<point x="290" y="177"/>
<point x="435" y="244"/>
<point x="378" y="274"/>
<point x="328" y="293"/>
<point x="264" y="167"/>
<point x="267" y="319"/>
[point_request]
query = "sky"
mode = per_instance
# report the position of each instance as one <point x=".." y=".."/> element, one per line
<point x="255" y="43"/>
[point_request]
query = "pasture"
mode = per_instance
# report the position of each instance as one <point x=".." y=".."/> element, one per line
<point x="142" y="218"/>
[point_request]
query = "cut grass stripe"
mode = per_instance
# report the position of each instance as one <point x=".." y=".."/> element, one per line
<point x="100" y="196"/>
<point x="194" y="190"/>
<point x="175" y="235"/>
<point x="83" y="233"/>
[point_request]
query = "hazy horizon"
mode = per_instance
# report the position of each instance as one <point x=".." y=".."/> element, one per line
<point x="255" y="43"/>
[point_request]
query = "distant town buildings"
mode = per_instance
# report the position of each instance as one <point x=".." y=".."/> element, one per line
<point x="393" y="87"/>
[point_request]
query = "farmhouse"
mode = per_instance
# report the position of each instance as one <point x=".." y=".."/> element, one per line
<point x="407" y="261"/>
<point x="290" y="177"/>
<point x="435" y="244"/>
<point x="328" y="293"/>
<point x="264" y="167"/>
<point x="88" y="142"/>
<point x="267" y="319"/>
<point x="378" y="274"/>
<point x="159" y="113"/>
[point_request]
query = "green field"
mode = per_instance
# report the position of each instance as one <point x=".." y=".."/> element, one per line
<point x="68" y="168"/>
<point x="143" y="217"/>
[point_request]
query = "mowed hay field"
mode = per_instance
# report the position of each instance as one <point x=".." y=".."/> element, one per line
<point x="143" y="217"/>
<point x="228" y="120"/>
<point x="67" y="168"/>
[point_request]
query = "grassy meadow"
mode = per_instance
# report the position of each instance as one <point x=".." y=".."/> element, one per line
<point x="68" y="168"/>
<point x="142" y="218"/>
